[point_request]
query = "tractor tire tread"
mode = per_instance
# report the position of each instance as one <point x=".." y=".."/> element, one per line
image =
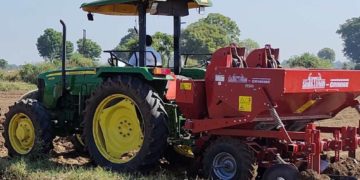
<point x="41" y="121"/>
<point x="236" y="148"/>
<point x="147" y="98"/>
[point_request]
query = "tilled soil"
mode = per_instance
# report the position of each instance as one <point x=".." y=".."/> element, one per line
<point x="64" y="152"/>
<point x="312" y="175"/>
<point x="345" y="167"/>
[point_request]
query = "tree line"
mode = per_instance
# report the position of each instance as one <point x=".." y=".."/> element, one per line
<point x="203" y="36"/>
<point x="49" y="46"/>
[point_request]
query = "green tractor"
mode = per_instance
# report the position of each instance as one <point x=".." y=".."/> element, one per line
<point x="119" y="114"/>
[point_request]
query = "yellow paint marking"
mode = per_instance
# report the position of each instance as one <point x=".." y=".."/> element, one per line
<point x="73" y="73"/>
<point x="245" y="103"/>
<point x="185" y="86"/>
<point x="305" y="106"/>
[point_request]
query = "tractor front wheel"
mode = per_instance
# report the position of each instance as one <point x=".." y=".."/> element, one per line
<point x="27" y="129"/>
<point x="125" y="125"/>
<point x="229" y="159"/>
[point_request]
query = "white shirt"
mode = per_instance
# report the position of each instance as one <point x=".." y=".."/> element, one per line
<point x="149" y="59"/>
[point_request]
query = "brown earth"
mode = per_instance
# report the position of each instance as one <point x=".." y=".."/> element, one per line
<point x="65" y="154"/>
<point x="312" y="175"/>
<point x="345" y="167"/>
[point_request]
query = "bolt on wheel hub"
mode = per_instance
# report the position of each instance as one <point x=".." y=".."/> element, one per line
<point x="117" y="129"/>
<point x="224" y="166"/>
<point x="21" y="133"/>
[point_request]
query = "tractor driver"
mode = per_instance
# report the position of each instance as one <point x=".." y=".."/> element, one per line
<point x="151" y="57"/>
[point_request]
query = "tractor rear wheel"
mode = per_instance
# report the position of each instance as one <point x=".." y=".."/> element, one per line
<point x="229" y="158"/>
<point x="27" y="129"/>
<point x="125" y="125"/>
<point x="78" y="143"/>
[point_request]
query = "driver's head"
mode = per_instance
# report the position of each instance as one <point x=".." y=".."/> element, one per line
<point x="149" y="40"/>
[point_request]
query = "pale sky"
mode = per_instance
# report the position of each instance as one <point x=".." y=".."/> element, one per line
<point x="294" y="26"/>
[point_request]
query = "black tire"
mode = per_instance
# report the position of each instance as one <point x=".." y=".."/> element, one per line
<point x="284" y="171"/>
<point x="175" y="158"/>
<point x="78" y="144"/>
<point x="34" y="94"/>
<point x="40" y="120"/>
<point x="153" y="117"/>
<point x="232" y="150"/>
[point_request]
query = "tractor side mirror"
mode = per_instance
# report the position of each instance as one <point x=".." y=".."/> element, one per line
<point x="90" y="16"/>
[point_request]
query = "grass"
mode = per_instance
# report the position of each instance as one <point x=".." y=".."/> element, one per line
<point x="25" y="168"/>
<point x="16" y="86"/>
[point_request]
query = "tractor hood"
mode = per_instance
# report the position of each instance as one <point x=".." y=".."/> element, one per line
<point x="129" y="7"/>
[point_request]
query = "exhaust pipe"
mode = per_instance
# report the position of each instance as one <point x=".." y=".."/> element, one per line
<point x="63" y="58"/>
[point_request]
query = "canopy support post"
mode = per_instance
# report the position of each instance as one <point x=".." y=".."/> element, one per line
<point x="177" y="34"/>
<point x="142" y="33"/>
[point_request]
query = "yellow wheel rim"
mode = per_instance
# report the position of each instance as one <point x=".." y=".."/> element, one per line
<point x="21" y="133"/>
<point x="116" y="129"/>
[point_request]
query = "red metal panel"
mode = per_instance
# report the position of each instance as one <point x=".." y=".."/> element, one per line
<point x="202" y="125"/>
<point x="191" y="97"/>
<point x="171" y="89"/>
<point x="300" y="81"/>
<point x="227" y="86"/>
<point x="258" y="133"/>
<point x="259" y="57"/>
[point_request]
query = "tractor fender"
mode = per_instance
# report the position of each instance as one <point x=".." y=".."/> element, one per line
<point x="136" y="71"/>
<point x="159" y="84"/>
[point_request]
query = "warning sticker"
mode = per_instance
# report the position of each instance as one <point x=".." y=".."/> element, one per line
<point x="185" y="86"/>
<point x="245" y="103"/>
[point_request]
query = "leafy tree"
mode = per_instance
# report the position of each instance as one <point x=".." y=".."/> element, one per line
<point x="357" y="67"/>
<point x="203" y="38"/>
<point x="91" y="50"/>
<point x="79" y="60"/>
<point x="29" y="72"/>
<point x="164" y="44"/>
<point x="230" y="26"/>
<point x="350" y="33"/>
<point x="327" y="53"/>
<point x="128" y="43"/>
<point x="308" y="60"/>
<point x="3" y="63"/>
<point x="346" y="66"/>
<point x="249" y="44"/>
<point x="49" y="45"/>
<point x="209" y="34"/>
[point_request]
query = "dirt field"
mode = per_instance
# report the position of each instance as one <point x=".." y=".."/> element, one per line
<point x="64" y="153"/>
